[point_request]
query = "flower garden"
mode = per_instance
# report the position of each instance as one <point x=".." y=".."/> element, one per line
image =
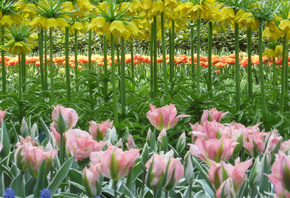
<point x="118" y="121"/>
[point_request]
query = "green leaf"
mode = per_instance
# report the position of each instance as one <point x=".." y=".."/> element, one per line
<point x="60" y="175"/>
<point x="207" y="187"/>
<point x="18" y="185"/>
<point x="5" y="141"/>
<point x="41" y="181"/>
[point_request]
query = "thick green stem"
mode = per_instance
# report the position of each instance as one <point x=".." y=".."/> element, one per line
<point x="198" y="58"/>
<point x="164" y="57"/>
<point x="155" y="58"/>
<point x="261" y="70"/>
<point x="172" y="65"/>
<point x="274" y="77"/>
<point x="76" y="60"/>
<point x="237" y="68"/>
<point x="192" y="49"/>
<point x="90" y="61"/>
<point x="40" y="49"/>
<point x="123" y="87"/>
<point x="51" y="67"/>
<point x="132" y="59"/>
<point x="67" y="66"/>
<point x="3" y="63"/>
<point x="115" y="106"/>
<point x="62" y="149"/>
<point x="115" y="189"/>
<point x="283" y="74"/>
<point x="249" y="49"/>
<point x="209" y="85"/>
<point x="45" y="61"/>
<point x="105" y="69"/>
<point x="23" y="65"/>
<point x="151" y="59"/>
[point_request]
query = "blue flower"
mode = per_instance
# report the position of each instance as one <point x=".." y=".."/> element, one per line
<point x="98" y="197"/>
<point x="9" y="193"/>
<point x="45" y="193"/>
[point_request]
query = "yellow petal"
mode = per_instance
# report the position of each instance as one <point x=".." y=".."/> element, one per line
<point x="147" y="4"/>
<point x="51" y="23"/>
<point x="117" y="27"/>
<point x="269" y="53"/>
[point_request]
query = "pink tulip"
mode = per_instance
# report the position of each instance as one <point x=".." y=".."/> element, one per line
<point x="285" y="147"/>
<point x="20" y="155"/>
<point x="131" y="143"/>
<point x="55" y="135"/>
<point x="255" y="144"/>
<point x="85" y="146"/>
<point x="280" y="175"/>
<point x="164" y="117"/>
<point x="26" y="140"/>
<point x="213" y="149"/>
<point x="35" y="157"/>
<point x="226" y="190"/>
<point x="92" y="179"/>
<point x="64" y="118"/>
<point x="212" y="115"/>
<point x="115" y="163"/>
<point x="2" y="116"/>
<point x="99" y="131"/>
<point x="1" y="146"/>
<point x="211" y="129"/>
<point x="157" y="168"/>
<point x="219" y="172"/>
<point x="273" y="141"/>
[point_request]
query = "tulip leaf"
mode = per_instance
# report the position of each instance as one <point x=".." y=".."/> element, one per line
<point x="264" y="185"/>
<point x="18" y="184"/>
<point x="29" y="186"/>
<point x="5" y="140"/>
<point x="133" y="175"/>
<point x="207" y="187"/>
<point x="64" y="195"/>
<point x="41" y="181"/>
<point x="200" y="194"/>
<point x="60" y="175"/>
<point x="128" y="192"/>
<point x="47" y="132"/>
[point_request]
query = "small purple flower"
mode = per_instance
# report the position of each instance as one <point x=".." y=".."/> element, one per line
<point x="45" y="193"/>
<point x="9" y="193"/>
<point x="98" y="197"/>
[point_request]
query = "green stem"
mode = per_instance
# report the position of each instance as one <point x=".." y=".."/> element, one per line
<point x="132" y="59"/>
<point x="237" y="68"/>
<point x="198" y="58"/>
<point x="261" y="70"/>
<point x="274" y="77"/>
<point x="283" y="74"/>
<point x="123" y="87"/>
<point x="286" y="72"/>
<point x="105" y="69"/>
<point x="166" y="194"/>
<point x="45" y="61"/>
<point x="151" y="59"/>
<point x="115" y="189"/>
<point x="40" y="49"/>
<point x="164" y="57"/>
<point x="23" y="72"/>
<point x="62" y="149"/>
<point x="3" y="63"/>
<point x="90" y="60"/>
<point x="76" y="59"/>
<point x="115" y="106"/>
<point x="155" y="58"/>
<point x="172" y="65"/>
<point x="67" y="66"/>
<point x="209" y="85"/>
<point x="249" y="46"/>
<point x="192" y="49"/>
<point x="51" y="67"/>
<point x="143" y="182"/>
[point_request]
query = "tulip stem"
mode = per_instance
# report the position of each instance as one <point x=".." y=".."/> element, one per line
<point x="155" y="58"/>
<point x="132" y="59"/>
<point x="209" y="85"/>
<point x="123" y="87"/>
<point x="67" y="66"/>
<point x="249" y="46"/>
<point x="115" y="106"/>
<point x="143" y="182"/>
<point x="192" y="49"/>
<point x="40" y="47"/>
<point x="164" y="57"/>
<point x="237" y="68"/>
<point x="198" y="58"/>
<point x="171" y="54"/>
<point x="90" y="60"/>
<point x="76" y="59"/>
<point x="61" y="153"/>
<point x="45" y="60"/>
<point x="284" y="59"/>
<point x="105" y="69"/>
<point x="274" y="76"/>
<point x="166" y="194"/>
<point x="51" y="67"/>
<point x="261" y="70"/>
<point x="151" y="59"/>
<point x="115" y="189"/>
<point x="3" y="63"/>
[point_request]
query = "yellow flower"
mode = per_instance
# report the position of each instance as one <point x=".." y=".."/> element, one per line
<point x="157" y="7"/>
<point x="269" y="53"/>
<point x="6" y="20"/>
<point x="147" y="4"/>
<point x="97" y="23"/>
<point x="117" y="28"/>
<point x="278" y="50"/>
<point x="84" y="5"/>
<point x="284" y="26"/>
<point x="227" y="14"/>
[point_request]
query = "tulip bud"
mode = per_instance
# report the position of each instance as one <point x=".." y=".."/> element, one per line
<point x="34" y="130"/>
<point x="149" y="136"/>
<point x="1" y="146"/>
<point x="256" y="172"/>
<point x="2" y="116"/>
<point x="24" y="128"/>
<point x="227" y="189"/>
<point x="181" y="142"/>
<point x="145" y="155"/>
<point x="119" y="144"/>
<point x="162" y="138"/>
<point x="111" y="135"/>
<point x="188" y="169"/>
<point x="130" y="143"/>
<point x="92" y="180"/>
